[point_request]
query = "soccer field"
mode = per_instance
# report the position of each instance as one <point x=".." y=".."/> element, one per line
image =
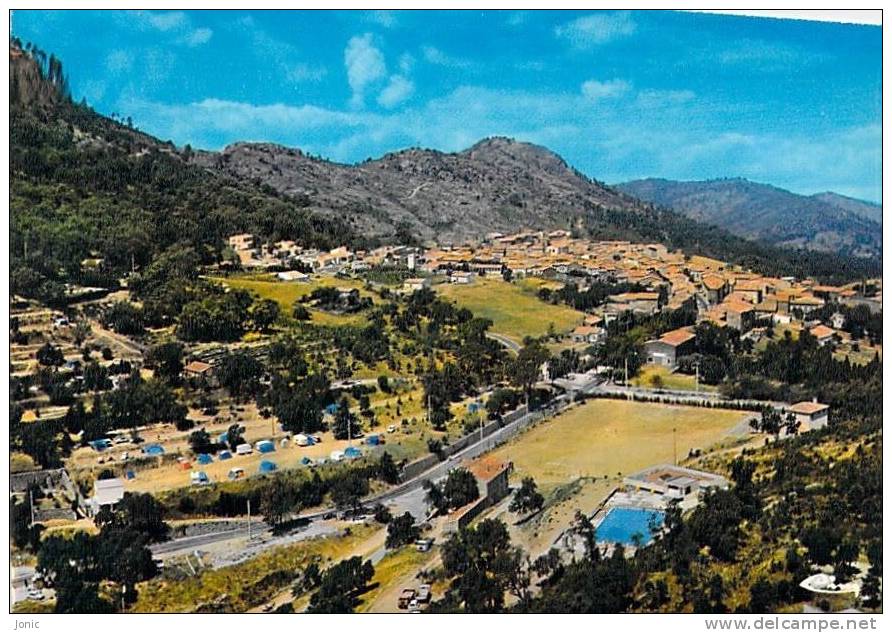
<point x="515" y="312"/>
<point x="608" y="437"/>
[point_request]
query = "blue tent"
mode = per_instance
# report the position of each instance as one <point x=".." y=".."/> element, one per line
<point x="306" y="460"/>
<point x="100" y="445"/>
<point x="224" y="455"/>
<point x="223" y="438"/>
<point x="267" y="466"/>
<point x="332" y="408"/>
<point x="352" y="452"/>
<point x="473" y="407"/>
<point x="266" y="446"/>
<point x="131" y="474"/>
<point x="204" y="458"/>
<point x="373" y="440"/>
<point x="153" y="449"/>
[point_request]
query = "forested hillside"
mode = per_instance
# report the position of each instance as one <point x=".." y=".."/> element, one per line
<point x="86" y="187"/>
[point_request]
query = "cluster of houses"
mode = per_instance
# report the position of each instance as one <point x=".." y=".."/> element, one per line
<point x="253" y="253"/>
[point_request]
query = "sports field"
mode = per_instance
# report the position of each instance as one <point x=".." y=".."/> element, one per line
<point x="607" y="437"/>
<point x="515" y="312"/>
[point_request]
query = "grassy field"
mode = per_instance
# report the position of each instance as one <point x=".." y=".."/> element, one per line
<point x="285" y="293"/>
<point x="604" y="438"/>
<point x="250" y="583"/>
<point x="652" y="376"/>
<point x="579" y="457"/>
<point x="515" y="311"/>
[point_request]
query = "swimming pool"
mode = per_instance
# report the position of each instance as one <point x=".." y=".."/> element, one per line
<point x="621" y="524"/>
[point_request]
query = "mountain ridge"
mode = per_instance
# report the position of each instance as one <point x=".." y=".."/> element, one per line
<point x="766" y="212"/>
<point x="85" y="187"/>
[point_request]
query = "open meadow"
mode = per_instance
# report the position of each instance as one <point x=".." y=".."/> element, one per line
<point x="285" y="293"/>
<point x="515" y="310"/>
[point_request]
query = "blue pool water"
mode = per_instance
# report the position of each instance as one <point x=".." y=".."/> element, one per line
<point x="621" y="524"/>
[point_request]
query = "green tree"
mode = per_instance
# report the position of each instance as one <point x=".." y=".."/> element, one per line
<point x="527" y="498"/>
<point x="401" y="531"/>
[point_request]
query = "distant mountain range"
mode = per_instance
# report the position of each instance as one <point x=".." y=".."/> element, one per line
<point x="823" y="222"/>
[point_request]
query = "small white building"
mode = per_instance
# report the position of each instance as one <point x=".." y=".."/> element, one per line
<point x="461" y="277"/>
<point x="811" y="415"/>
<point x="106" y="494"/>
<point x="292" y="275"/>
<point x="414" y="284"/>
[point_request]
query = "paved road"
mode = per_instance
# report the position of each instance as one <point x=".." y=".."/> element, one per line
<point x="405" y="497"/>
<point x="504" y="340"/>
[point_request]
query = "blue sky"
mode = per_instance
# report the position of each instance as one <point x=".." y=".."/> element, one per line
<point x="620" y="95"/>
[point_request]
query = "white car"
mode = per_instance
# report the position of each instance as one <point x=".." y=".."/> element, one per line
<point x="36" y="594"/>
<point x="391" y="428"/>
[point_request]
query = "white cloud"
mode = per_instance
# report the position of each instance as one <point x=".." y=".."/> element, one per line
<point x="165" y="21"/>
<point x="651" y="99"/>
<point x="387" y="19"/>
<point x="274" y="53"/>
<point x="596" y="29"/>
<point x="434" y="55"/>
<point x="595" y="90"/>
<point x="365" y="65"/>
<point x="406" y="62"/>
<point x="176" y="23"/>
<point x="198" y="37"/>
<point x="119" y="61"/>
<point x="398" y="90"/>
<point x="305" y="72"/>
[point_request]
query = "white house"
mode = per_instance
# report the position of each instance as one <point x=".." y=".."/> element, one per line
<point x="416" y="283"/>
<point x="461" y="277"/>
<point x="106" y="493"/>
<point x="811" y="415"/>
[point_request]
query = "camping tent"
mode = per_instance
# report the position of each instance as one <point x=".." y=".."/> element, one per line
<point x="153" y="449"/>
<point x="306" y="461"/>
<point x="224" y="455"/>
<point x="373" y="440"/>
<point x="352" y="452"/>
<point x="100" y="445"/>
<point x="265" y="446"/>
<point x="204" y="458"/>
<point x="267" y="466"/>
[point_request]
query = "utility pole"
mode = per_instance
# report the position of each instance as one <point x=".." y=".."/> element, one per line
<point x="674" y="448"/>
<point x="480" y="418"/>
<point x="249" y="519"/>
<point x="697" y="377"/>
<point x="626" y="371"/>
<point x="31" y="499"/>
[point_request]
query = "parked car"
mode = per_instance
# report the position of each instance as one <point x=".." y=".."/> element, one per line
<point x="424" y="544"/>
<point x="406" y="596"/>
<point x="36" y="594"/>
<point x="243" y="449"/>
<point x="424" y="594"/>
